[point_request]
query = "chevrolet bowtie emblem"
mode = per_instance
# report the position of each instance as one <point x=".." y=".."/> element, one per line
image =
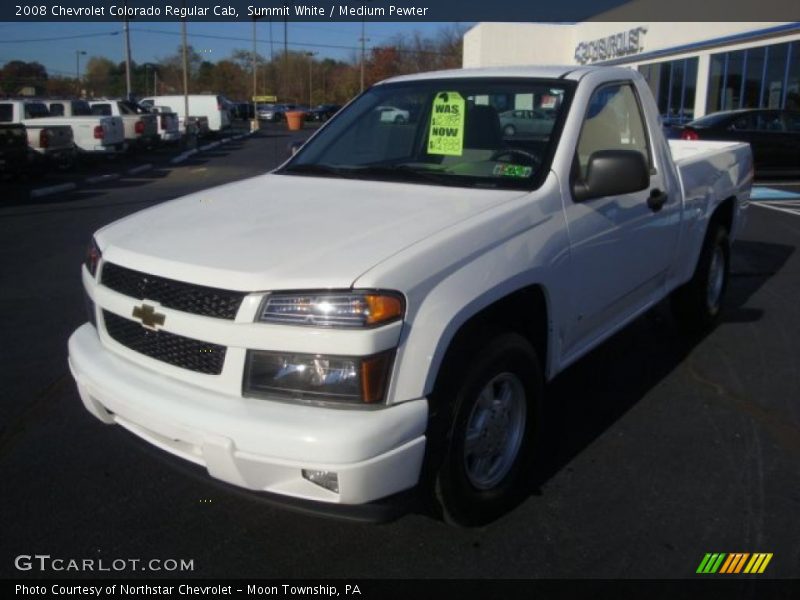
<point x="148" y="316"/>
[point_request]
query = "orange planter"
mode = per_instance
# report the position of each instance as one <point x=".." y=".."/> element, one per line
<point x="295" y="119"/>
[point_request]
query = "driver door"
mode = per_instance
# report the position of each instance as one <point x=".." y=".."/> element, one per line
<point x="621" y="247"/>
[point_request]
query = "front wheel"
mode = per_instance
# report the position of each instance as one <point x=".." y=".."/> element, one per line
<point x="698" y="303"/>
<point x="493" y="419"/>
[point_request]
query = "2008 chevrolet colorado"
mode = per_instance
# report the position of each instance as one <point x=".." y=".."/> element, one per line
<point x="384" y="308"/>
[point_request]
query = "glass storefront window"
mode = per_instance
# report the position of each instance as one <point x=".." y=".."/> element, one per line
<point x="755" y="78"/>
<point x="690" y="81"/>
<point x="715" y="74"/>
<point x="792" y="96"/>
<point x="731" y="98"/>
<point x="673" y="85"/>
<point x="774" y="77"/>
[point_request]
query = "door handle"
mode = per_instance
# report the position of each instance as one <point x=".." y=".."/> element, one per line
<point x="657" y="199"/>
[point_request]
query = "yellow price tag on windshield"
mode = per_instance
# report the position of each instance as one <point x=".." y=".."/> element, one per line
<point x="447" y="125"/>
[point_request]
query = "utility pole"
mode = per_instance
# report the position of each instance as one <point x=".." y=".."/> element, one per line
<point x="363" y="40"/>
<point x="126" y="28"/>
<point x="185" y="77"/>
<point x="254" y="122"/>
<point x="310" y="56"/>
<point x="78" y="54"/>
<point x="285" y="52"/>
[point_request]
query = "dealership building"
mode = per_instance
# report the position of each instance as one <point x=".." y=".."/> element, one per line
<point x="693" y="68"/>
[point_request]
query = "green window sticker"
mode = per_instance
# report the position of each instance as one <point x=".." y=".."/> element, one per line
<point x="510" y="170"/>
<point x="447" y="124"/>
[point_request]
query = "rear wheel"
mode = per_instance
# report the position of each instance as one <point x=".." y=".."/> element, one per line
<point x="698" y="303"/>
<point x="493" y="413"/>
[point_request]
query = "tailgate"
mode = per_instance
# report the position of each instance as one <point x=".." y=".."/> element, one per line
<point x="150" y="125"/>
<point x="113" y="130"/>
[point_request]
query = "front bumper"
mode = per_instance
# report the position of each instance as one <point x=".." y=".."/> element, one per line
<point x="255" y="444"/>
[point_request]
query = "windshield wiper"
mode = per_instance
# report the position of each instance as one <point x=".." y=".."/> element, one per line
<point x="317" y="169"/>
<point x="407" y="173"/>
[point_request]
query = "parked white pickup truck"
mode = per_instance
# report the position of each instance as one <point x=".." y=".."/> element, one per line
<point x="92" y="134"/>
<point x="50" y="140"/>
<point x="141" y="128"/>
<point x="382" y="311"/>
<point x="168" y="126"/>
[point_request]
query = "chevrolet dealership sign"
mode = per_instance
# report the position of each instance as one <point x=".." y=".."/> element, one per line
<point x="612" y="46"/>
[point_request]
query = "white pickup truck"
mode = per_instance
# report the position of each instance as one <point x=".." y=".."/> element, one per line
<point x="93" y="135"/>
<point x="140" y="127"/>
<point x="50" y="140"/>
<point x="382" y="311"/>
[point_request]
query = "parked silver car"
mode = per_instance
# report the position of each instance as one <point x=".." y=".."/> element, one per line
<point x="526" y="121"/>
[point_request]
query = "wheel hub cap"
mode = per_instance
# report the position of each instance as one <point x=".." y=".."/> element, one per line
<point x="495" y="430"/>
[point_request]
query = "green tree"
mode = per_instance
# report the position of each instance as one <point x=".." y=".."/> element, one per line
<point x="18" y="74"/>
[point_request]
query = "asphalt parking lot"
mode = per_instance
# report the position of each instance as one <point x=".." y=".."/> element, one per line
<point x="659" y="448"/>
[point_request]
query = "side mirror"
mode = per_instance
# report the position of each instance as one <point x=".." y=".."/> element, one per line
<point x="613" y="173"/>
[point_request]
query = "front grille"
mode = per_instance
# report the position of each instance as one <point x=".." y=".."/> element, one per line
<point x="186" y="297"/>
<point x="176" y="350"/>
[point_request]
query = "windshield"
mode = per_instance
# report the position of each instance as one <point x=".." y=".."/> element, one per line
<point x="485" y="132"/>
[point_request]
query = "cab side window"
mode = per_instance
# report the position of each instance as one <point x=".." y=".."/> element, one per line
<point x="56" y="109"/>
<point x="770" y="121"/>
<point x="743" y="123"/>
<point x="613" y="122"/>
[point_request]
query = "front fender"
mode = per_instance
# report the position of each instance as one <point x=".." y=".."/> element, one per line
<point x="453" y="276"/>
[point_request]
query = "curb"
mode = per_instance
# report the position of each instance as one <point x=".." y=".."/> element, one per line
<point x="53" y="189"/>
<point x="68" y="187"/>
<point x="140" y="169"/>
<point x="101" y="178"/>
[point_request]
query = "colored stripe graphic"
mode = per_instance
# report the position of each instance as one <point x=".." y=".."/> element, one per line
<point x="758" y="563"/>
<point x="727" y="564"/>
<point x="734" y="563"/>
<point x="711" y="563"/>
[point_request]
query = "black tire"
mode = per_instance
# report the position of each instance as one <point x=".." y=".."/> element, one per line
<point x="698" y="303"/>
<point x="462" y="494"/>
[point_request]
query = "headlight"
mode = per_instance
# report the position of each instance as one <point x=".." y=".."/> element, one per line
<point x="332" y="309"/>
<point x="315" y="377"/>
<point x="93" y="256"/>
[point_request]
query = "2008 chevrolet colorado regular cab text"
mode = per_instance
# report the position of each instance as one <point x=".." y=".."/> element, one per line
<point x="383" y="309"/>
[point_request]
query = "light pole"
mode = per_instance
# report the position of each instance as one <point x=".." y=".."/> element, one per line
<point x="363" y="40"/>
<point x="185" y="76"/>
<point x="148" y="66"/>
<point x="310" y="56"/>
<point x="78" y="54"/>
<point x="254" y="122"/>
<point x="126" y="30"/>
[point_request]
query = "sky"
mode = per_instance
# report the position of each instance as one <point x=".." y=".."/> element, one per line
<point x="153" y="40"/>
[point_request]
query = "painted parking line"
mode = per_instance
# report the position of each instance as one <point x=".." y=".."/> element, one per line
<point x="784" y="201"/>
<point x="140" y="169"/>
<point x="761" y="192"/>
<point x="101" y="178"/>
<point x="53" y="189"/>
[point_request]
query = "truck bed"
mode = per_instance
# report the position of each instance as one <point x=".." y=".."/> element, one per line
<point x="710" y="172"/>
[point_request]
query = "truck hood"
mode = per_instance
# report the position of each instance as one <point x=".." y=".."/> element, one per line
<point x="287" y="231"/>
